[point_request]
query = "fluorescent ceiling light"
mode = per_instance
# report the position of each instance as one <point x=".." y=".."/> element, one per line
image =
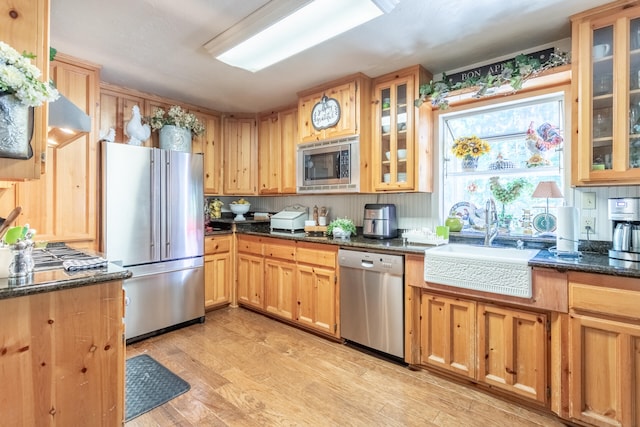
<point x="283" y="28"/>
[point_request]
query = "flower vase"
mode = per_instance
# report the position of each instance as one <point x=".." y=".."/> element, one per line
<point x="469" y="163"/>
<point x="175" y="138"/>
<point x="16" y="127"/>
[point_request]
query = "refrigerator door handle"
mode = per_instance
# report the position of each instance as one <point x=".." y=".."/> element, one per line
<point x="153" y="182"/>
<point x="167" y="210"/>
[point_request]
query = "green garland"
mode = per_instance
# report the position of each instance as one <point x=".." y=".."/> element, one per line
<point x="514" y="73"/>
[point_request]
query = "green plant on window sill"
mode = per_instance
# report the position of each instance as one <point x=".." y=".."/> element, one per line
<point x="514" y="74"/>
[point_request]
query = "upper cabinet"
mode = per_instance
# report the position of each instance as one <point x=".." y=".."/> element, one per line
<point x="346" y="99"/>
<point x="240" y="155"/>
<point x="277" y="142"/>
<point x="606" y="83"/>
<point x="401" y="138"/>
<point x="24" y="26"/>
<point x="210" y="144"/>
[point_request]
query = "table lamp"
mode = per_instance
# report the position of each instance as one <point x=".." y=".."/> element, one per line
<point x="548" y="190"/>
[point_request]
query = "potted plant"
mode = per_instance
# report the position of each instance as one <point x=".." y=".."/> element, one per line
<point x="20" y="89"/>
<point x="341" y="228"/>
<point x="175" y="127"/>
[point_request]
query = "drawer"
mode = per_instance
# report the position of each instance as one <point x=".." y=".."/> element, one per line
<point x="606" y="300"/>
<point x="250" y="245"/>
<point x="286" y="252"/>
<point x="216" y="245"/>
<point x="316" y="254"/>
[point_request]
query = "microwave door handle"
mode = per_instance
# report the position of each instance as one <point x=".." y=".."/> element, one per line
<point x="337" y="174"/>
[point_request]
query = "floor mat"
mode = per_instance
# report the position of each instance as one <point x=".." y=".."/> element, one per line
<point x="149" y="385"/>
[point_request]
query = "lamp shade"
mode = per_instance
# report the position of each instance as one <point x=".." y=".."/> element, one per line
<point x="547" y="189"/>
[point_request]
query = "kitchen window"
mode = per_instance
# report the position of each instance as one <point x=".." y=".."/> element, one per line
<point x="525" y="141"/>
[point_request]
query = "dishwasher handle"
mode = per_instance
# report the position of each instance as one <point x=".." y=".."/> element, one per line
<point x="366" y="263"/>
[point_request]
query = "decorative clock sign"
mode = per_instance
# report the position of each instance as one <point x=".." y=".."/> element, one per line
<point x="325" y="113"/>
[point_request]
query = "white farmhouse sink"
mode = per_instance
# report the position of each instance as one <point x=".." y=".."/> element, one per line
<point x="482" y="268"/>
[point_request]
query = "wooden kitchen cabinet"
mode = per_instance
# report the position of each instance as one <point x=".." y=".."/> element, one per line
<point x="115" y="111"/>
<point x="512" y="351"/>
<point x="606" y="87"/>
<point x="25" y="27"/>
<point x="401" y="135"/>
<point x="218" y="271"/>
<point x="67" y="192"/>
<point x="277" y="153"/>
<point x="317" y="287"/>
<point x="240" y="156"/>
<point x="63" y="357"/>
<point x="250" y="271"/>
<point x="279" y="277"/>
<point x="447" y="327"/>
<point x="352" y="95"/>
<point x="604" y="350"/>
<point x="210" y="145"/>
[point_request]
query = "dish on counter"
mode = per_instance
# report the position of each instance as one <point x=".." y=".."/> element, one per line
<point x="469" y="214"/>
<point x="540" y="222"/>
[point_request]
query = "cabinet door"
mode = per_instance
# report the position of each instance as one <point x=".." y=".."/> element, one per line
<point x="604" y="366"/>
<point x="67" y="192"/>
<point x="240" y="156"/>
<point x="217" y="280"/>
<point x="316" y="294"/>
<point x="115" y="112"/>
<point x="512" y="351"/>
<point x="393" y="134"/>
<point x="346" y="95"/>
<point x="448" y="334"/>
<point x="25" y="27"/>
<point x="210" y="145"/>
<point x="279" y="283"/>
<point x="288" y="121"/>
<point x="250" y="280"/>
<point x="269" y="154"/>
<point x="607" y="86"/>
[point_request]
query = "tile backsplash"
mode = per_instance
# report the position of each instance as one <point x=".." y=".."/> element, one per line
<point x="414" y="210"/>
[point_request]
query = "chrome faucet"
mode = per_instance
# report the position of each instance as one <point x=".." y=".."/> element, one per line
<point x="490" y="221"/>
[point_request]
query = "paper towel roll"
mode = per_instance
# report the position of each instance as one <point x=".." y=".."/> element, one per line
<point x="567" y="233"/>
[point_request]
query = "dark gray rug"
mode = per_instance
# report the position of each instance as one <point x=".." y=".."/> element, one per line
<point x="149" y="385"/>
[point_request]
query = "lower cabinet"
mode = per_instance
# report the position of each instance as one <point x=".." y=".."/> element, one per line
<point x="503" y="348"/>
<point x="292" y="280"/>
<point x="218" y="271"/>
<point x="604" y="350"/>
<point x="63" y="357"/>
<point x="250" y="271"/>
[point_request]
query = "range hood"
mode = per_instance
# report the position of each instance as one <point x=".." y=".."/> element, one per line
<point x="66" y="122"/>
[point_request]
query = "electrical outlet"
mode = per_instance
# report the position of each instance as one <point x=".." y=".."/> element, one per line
<point x="588" y="223"/>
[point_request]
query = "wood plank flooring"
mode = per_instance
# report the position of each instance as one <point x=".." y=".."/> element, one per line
<point x="248" y="370"/>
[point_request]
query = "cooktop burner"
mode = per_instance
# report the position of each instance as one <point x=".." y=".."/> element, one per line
<point x="54" y="255"/>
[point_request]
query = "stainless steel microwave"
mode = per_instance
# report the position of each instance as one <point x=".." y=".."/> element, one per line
<point x="329" y="166"/>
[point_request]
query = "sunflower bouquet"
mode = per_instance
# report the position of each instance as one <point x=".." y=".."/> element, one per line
<point x="470" y="146"/>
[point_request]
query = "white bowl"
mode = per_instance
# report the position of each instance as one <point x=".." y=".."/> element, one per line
<point x="388" y="155"/>
<point x="402" y="154"/>
<point x="402" y="177"/>
<point x="239" y="210"/>
<point x="386" y="177"/>
<point x="386" y="128"/>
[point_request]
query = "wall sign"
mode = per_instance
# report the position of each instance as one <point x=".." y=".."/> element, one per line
<point x="325" y="113"/>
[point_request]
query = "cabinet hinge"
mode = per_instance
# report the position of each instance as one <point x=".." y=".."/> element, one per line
<point x="335" y="280"/>
<point x="548" y="392"/>
<point x="548" y="326"/>
<point x="335" y="328"/>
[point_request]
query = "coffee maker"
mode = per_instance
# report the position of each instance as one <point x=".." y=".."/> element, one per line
<point x="380" y="221"/>
<point x="624" y="214"/>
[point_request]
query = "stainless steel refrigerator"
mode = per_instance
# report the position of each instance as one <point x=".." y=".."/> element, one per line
<point x="153" y="224"/>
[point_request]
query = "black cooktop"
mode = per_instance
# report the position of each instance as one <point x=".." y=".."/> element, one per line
<point x="54" y="254"/>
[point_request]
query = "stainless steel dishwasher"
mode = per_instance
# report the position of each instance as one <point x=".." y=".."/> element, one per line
<point x="372" y="300"/>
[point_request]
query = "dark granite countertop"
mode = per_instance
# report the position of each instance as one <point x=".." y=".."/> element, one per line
<point x="58" y="279"/>
<point x="594" y="258"/>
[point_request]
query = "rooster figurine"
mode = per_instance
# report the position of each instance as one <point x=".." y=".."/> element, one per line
<point x="135" y="130"/>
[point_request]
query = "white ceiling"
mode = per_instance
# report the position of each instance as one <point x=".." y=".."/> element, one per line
<point x="156" y="45"/>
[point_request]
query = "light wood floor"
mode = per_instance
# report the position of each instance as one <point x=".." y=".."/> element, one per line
<point x="248" y="370"/>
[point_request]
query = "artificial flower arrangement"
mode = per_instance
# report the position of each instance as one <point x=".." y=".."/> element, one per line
<point x="176" y="116"/>
<point x="472" y="146"/>
<point x="19" y="77"/>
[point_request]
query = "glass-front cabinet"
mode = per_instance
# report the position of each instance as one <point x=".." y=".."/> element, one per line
<point x="606" y="83"/>
<point x="400" y="133"/>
